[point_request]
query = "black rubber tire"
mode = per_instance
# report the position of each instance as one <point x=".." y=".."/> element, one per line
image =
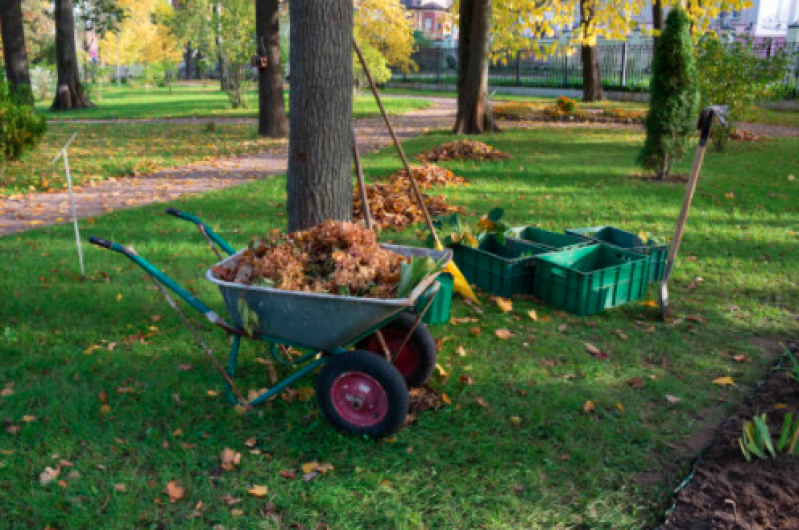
<point x="378" y="369"/>
<point x="422" y="341"/>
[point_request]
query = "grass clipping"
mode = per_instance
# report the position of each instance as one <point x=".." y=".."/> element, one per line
<point x="462" y="150"/>
<point x="393" y="206"/>
<point x="335" y="257"/>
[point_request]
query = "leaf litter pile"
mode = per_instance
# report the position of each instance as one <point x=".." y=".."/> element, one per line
<point x="462" y="150"/>
<point x="335" y="257"/>
<point x="393" y="206"/>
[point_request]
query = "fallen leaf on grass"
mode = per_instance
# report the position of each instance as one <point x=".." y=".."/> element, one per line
<point x="740" y="358"/>
<point x="724" y="381"/>
<point x="6" y="392"/>
<point x="251" y="442"/>
<point x="466" y="380"/>
<point x="120" y="488"/>
<point x="212" y="393"/>
<point x="650" y="304"/>
<point x="505" y="305"/>
<point x="288" y="473"/>
<point x="635" y="382"/>
<point x="460" y="351"/>
<point x="258" y="491"/>
<point x="229" y="499"/>
<point x="589" y="406"/>
<point x="504" y="334"/>
<point x="185" y="367"/>
<point x="175" y="491"/>
<point x="780" y="406"/>
<point x="441" y="373"/>
<point x="306" y="393"/>
<point x="475" y="331"/>
<point x="49" y="475"/>
<point x="463" y="320"/>
<point x="593" y="350"/>
<point x="562" y="328"/>
<point x="696" y="318"/>
<point x="445" y="398"/>
<point x="619" y="407"/>
<point x="533" y="315"/>
<point x="480" y="402"/>
<point x="28" y="419"/>
<point x="230" y="459"/>
<point x="516" y="420"/>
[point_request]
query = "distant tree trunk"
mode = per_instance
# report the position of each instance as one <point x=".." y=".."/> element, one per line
<point x="320" y="102"/>
<point x="188" y="62"/>
<point x="271" y="106"/>
<point x="224" y="68"/>
<point x="592" y="77"/>
<point x="657" y="19"/>
<point x="474" y="109"/>
<point x="14" y="53"/>
<point x="69" y="92"/>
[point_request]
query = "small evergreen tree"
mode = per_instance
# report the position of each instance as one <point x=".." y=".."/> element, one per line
<point x="673" y="97"/>
<point x="20" y="127"/>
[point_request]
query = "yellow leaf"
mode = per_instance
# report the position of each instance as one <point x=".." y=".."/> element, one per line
<point x="516" y="420"/>
<point x="119" y="297"/>
<point x="445" y="398"/>
<point x="643" y="236"/>
<point x="309" y="466"/>
<point x="724" y="381"/>
<point x="533" y="315"/>
<point x="460" y="351"/>
<point x="589" y="406"/>
<point x="504" y="304"/>
<point x="258" y="491"/>
<point x="779" y="406"/>
<point x="212" y="393"/>
<point x="620" y="407"/>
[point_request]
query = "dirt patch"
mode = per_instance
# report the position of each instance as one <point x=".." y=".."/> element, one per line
<point x="729" y="493"/>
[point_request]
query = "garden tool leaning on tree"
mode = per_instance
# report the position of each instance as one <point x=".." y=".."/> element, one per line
<point x="461" y="286"/>
<point x="705" y="125"/>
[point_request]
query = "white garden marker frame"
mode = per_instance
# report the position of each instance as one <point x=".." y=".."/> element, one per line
<point x="63" y="153"/>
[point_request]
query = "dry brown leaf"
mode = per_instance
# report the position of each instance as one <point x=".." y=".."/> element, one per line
<point x="635" y="382"/>
<point x="504" y="334"/>
<point x="251" y="442"/>
<point x="504" y="304"/>
<point x="465" y="380"/>
<point x="480" y="402"/>
<point x="475" y="331"/>
<point x="589" y="406"/>
<point x="49" y="475"/>
<point x="258" y="491"/>
<point x="516" y="420"/>
<point x="174" y="491"/>
<point x="288" y="473"/>
<point x="593" y="350"/>
<point x="533" y="315"/>
<point x="460" y="351"/>
<point x="673" y="399"/>
<point x="230" y="459"/>
<point x="740" y="358"/>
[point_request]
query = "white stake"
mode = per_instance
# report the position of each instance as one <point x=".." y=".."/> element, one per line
<point x="63" y="153"/>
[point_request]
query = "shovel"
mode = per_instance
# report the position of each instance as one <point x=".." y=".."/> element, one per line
<point x="705" y="125"/>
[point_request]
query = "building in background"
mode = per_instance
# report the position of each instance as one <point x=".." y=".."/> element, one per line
<point x="434" y="19"/>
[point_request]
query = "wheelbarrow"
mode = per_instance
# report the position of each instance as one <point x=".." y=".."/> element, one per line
<point x="368" y="350"/>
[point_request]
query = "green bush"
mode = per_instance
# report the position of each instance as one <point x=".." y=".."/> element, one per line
<point x="673" y="97"/>
<point x="735" y="76"/>
<point x="20" y="127"/>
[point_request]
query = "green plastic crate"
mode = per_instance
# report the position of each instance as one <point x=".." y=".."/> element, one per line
<point x="617" y="237"/>
<point x="439" y="310"/>
<point x="587" y="280"/>
<point x="548" y="239"/>
<point x="503" y="270"/>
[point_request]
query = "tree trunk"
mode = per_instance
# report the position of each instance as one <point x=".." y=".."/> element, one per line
<point x="474" y="109"/>
<point x="592" y="77"/>
<point x="69" y="91"/>
<point x="188" y="62"/>
<point x="224" y="68"/>
<point x="319" y="180"/>
<point x="271" y="106"/>
<point x="657" y="20"/>
<point x="14" y="53"/>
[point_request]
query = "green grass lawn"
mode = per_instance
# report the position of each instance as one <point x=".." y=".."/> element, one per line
<point x="99" y="372"/>
<point x="196" y="101"/>
<point x="103" y="151"/>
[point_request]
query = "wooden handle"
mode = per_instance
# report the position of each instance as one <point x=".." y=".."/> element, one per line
<point x="361" y="184"/>
<point x="686" y="203"/>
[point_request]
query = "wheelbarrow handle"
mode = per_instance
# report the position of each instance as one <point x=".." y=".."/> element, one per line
<point x="204" y="229"/>
<point x="159" y="276"/>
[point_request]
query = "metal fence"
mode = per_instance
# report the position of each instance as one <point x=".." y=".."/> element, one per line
<point x="623" y="67"/>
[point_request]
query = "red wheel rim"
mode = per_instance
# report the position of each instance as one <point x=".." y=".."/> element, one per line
<point x="406" y="361"/>
<point x="359" y="399"/>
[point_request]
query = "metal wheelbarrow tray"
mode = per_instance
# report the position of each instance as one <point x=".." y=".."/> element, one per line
<point x="363" y="391"/>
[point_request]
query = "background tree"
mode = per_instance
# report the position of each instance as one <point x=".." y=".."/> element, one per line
<point x="220" y="51"/>
<point x="15" y="53"/>
<point x="592" y="76"/>
<point x="673" y="97"/>
<point x="319" y="182"/>
<point x="271" y="105"/>
<point x="238" y="26"/>
<point x="384" y="31"/>
<point x="191" y="24"/>
<point x="474" y="109"/>
<point x="69" y="92"/>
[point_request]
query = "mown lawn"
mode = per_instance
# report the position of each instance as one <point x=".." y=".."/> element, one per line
<point x="196" y="101"/>
<point x="103" y="151"/>
<point x="98" y="372"/>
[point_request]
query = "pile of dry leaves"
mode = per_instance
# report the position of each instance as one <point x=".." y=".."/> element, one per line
<point x="462" y="150"/>
<point x="334" y="257"/>
<point x="742" y="135"/>
<point x="428" y="175"/>
<point x="392" y="205"/>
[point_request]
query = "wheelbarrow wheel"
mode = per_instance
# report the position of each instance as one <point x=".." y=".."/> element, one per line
<point x="361" y="393"/>
<point x="417" y="360"/>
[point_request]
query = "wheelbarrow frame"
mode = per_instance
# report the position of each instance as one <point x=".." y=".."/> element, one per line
<point x="308" y="362"/>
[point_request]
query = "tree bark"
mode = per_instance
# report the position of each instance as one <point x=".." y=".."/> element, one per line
<point x="14" y="53"/>
<point x="657" y="19"/>
<point x="475" y="115"/>
<point x="224" y="70"/>
<point x="592" y="77"/>
<point x="69" y="92"/>
<point x="188" y="62"/>
<point x="271" y="105"/>
<point x="319" y="180"/>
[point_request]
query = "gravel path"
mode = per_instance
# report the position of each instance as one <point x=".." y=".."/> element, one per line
<point x="41" y="209"/>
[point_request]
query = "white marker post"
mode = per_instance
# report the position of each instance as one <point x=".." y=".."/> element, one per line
<point x="63" y="152"/>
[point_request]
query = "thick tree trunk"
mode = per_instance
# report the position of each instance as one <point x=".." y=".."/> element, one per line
<point x="188" y="62"/>
<point x="69" y="92"/>
<point x="320" y="138"/>
<point x="224" y="68"/>
<point x="592" y="77"/>
<point x="657" y="19"/>
<point x="474" y="109"/>
<point x="14" y="53"/>
<point x="271" y="106"/>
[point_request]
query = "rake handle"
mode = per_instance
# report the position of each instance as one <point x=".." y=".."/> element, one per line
<point x="414" y="186"/>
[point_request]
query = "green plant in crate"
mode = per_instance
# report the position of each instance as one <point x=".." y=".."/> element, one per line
<point x="756" y="439"/>
<point x="454" y="230"/>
